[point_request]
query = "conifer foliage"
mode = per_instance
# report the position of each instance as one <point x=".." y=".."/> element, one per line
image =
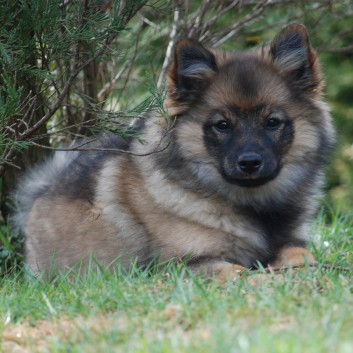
<point x="50" y="53"/>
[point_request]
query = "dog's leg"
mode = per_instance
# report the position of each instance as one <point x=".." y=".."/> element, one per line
<point x="293" y="256"/>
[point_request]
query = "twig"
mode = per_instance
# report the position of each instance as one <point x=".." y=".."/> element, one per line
<point x="219" y="14"/>
<point x="199" y="19"/>
<point x="103" y="93"/>
<point x="130" y="65"/>
<point x="64" y="4"/>
<point x="247" y="19"/>
<point x="325" y="266"/>
<point x="342" y="50"/>
<point x="150" y="23"/>
<point x="168" y="55"/>
<point x="114" y="150"/>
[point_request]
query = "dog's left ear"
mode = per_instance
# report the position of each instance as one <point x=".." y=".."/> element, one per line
<point x="293" y="55"/>
<point x="190" y="73"/>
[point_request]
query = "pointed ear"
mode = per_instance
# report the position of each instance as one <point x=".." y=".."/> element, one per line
<point x="191" y="71"/>
<point x="293" y="55"/>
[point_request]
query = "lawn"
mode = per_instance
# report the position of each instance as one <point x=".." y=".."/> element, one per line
<point x="301" y="310"/>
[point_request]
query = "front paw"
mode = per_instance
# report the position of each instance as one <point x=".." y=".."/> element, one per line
<point x="226" y="271"/>
<point x="293" y="256"/>
<point x="220" y="270"/>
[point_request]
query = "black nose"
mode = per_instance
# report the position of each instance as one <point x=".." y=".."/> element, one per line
<point x="250" y="162"/>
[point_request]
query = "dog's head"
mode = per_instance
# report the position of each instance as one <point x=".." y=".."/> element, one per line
<point x="250" y="115"/>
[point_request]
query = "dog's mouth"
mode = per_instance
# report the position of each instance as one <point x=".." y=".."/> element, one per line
<point x="248" y="182"/>
<point x="251" y="183"/>
<point x="253" y="180"/>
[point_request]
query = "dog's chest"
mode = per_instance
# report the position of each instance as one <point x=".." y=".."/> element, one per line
<point x="209" y="211"/>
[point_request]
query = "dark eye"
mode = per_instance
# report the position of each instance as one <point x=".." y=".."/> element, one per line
<point x="223" y="126"/>
<point x="273" y="123"/>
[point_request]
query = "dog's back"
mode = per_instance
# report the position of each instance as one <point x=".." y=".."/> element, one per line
<point x="37" y="182"/>
<point x="56" y="197"/>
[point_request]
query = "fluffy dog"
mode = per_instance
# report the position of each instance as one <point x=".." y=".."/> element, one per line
<point x="233" y="179"/>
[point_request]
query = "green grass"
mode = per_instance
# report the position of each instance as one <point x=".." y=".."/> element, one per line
<point x="307" y="310"/>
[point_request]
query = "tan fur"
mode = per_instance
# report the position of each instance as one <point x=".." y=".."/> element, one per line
<point x="56" y="247"/>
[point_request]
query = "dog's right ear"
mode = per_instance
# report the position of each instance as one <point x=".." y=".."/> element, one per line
<point x="293" y="55"/>
<point x="191" y="71"/>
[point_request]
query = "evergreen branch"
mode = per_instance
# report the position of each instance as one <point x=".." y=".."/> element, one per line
<point x="78" y="68"/>
<point x="10" y="151"/>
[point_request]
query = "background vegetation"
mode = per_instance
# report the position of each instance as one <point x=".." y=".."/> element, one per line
<point x="70" y="68"/>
